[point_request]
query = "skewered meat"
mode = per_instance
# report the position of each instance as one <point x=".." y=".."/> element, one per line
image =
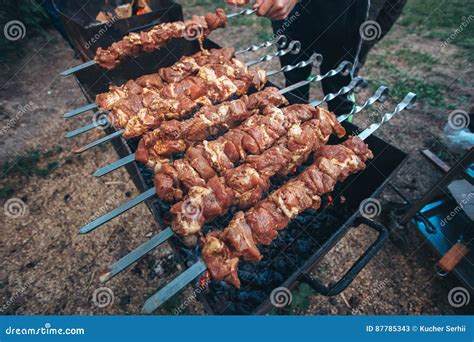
<point x="186" y="66"/>
<point x="177" y="100"/>
<point x="133" y="44"/>
<point x="245" y="184"/>
<point x="252" y="137"/>
<point x="175" y="136"/>
<point x="221" y="250"/>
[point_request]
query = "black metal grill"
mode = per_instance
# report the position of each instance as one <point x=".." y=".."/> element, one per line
<point x="308" y="238"/>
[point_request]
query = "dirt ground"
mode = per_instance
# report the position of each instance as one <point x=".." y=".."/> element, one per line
<point x="47" y="268"/>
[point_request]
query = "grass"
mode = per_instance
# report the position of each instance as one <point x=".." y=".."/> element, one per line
<point x="415" y="58"/>
<point x="28" y="163"/>
<point x="442" y="19"/>
<point x="401" y="81"/>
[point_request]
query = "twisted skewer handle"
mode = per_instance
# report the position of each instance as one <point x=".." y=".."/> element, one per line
<point x="315" y="60"/>
<point x="343" y="69"/>
<point x="244" y="12"/>
<point x="294" y="47"/>
<point x="407" y="103"/>
<point x="379" y="96"/>
<point x="279" y="42"/>
<point x="356" y="85"/>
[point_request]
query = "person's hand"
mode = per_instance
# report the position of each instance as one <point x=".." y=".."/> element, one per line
<point x="273" y="9"/>
<point x="237" y="3"/>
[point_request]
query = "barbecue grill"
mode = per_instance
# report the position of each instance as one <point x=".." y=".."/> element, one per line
<point x="306" y="240"/>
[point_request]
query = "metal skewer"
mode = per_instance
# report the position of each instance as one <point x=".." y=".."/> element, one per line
<point x="342" y="68"/>
<point x="315" y="59"/>
<point x="280" y="42"/>
<point x="80" y="110"/>
<point x="99" y="123"/>
<point x="293" y="48"/>
<point x="93" y="62"/>
<point x="178" y="283"/>
<point x="244" y="12"/>
<point x="126" y="206"/>
<point x="379" y="96"/>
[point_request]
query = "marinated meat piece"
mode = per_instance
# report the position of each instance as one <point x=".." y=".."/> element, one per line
<point x="195" y="157"/>
<point x="238" y="235"/>
<point x="260" y="225"/>
<point x="158" y="36"/>
<point x="265" y="220"/>
<point x="222" y="264"/>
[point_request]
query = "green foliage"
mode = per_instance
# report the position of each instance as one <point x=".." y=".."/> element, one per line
<point x="428" y="92"/>
<point x="30" y="13"/>
<point x="6" y="192"/>
<point x="28" y="164"/>
<point x="403" y="81"/>
<point x="441" y="20"/>
<point x="301" y="296"/>
<point x="417" y="59"/>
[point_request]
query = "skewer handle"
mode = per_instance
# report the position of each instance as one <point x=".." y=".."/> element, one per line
<point x="280" y="42"/>
<point x="173" y="287"/>
<point x="115" y="165"/>
<point x="343" y="68"/>
<point x="294" y="47"/>
<point x="80" y="110"/>
<point x="86" y="128"/>
<point x="136" y="254"/>
<point x="78" y="67"/>
<point x="356" y="85"/>
<point x="99" y="141"/>
<point x="117" y="211"/>
<point x="406" y="103"/>
<point x="244" y="12"/>
<point x="379" y="96"/>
